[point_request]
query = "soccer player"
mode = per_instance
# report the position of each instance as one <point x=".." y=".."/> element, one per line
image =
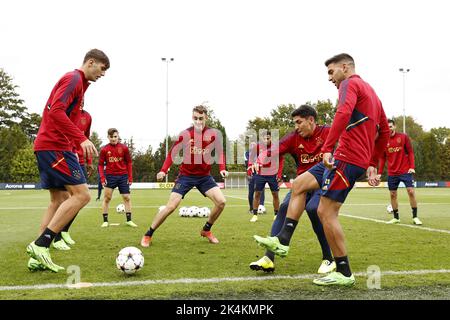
<point x="251" y="182"/>
<point x="270" y="173"/>
<point x="63" y="239"/>
<point x="361" y="127"/>
<point x="304" y="144"/>
<point x="400" y="158"/>
<point x="116" y="171"/>
<point x="59" y="169"/>
<point x="197" y="143"/>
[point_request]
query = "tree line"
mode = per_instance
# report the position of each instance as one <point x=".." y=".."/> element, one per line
<point x="18" y="129"/>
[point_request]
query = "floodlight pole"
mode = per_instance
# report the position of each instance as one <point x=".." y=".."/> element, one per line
<point x="167" y="61"/>
<point x="404" y="71"/>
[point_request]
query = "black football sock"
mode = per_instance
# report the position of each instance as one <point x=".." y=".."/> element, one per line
<point x="275" y="212"/>
<point x="45" y="238"/>
<point x="343" y="266"/>
<point x="58" y="237"/>
<point x="396" y="215"/>
<point x="105" y="217"/>
<point x="287" y="231"/>
<point x="128" y="216"/>
<point x="207" y="226"/>
<point x="149" y="233"/>
<point x="255" y="211"/>
<point x="270" y="255"/>
<point x="67" y="226"/>
<point x="414" y="212"/>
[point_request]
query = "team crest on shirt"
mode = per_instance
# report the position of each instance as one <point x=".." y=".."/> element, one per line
<point x="119" y="150"/>
<point x="319" y="141"/>
<point x="83" y="121"/>
<point x="399" y="140"/>
<point x="109" y="153"/>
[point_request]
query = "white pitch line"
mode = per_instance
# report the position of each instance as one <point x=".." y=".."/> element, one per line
<point x="140" y="207"/>
<point x="376" y="220"/>
<point x="209" y="280"/>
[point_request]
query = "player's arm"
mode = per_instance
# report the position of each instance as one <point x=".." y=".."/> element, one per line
<point x="89" y="159"/>
<point x="65" y="94"/>
<point x="101" y="166"/>
<point x="221" y="155"/>
<point x="381" y="142"/>
<point x="347" y="102"/>
<point x="410" y="151"/>
<point x="129" y="163"/>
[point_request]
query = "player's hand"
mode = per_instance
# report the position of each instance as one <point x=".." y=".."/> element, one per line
<point x="88" y="148"/>
<point x="104" y="183"/>
<point x="130" y="182"/>
<point x="90" y="169"/>
<point x="411" y="170"/>
<point x="255" y="167"/>
<point x="224" y="173"/>
<point x="328" y="160"/>
<point x="372" y="176"/>
<point x="160" y="176"/>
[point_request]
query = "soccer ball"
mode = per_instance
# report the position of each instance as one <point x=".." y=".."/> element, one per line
<point x="204" y="212"/>
<point x="389" y="208"/>
<point x="120" y="208"/>
<point x="192" y="211"/>
<point x="130" y="260"/>
<point x="261" y="209"/>
<point x="183" y="212"/>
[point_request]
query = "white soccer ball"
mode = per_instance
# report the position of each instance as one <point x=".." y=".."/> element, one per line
<point x="130" y="260"/>
<point x="192" y="211"/>
<point x="120" y="208"/>
<point x="161" y="208"/>
<point x="261" y="209"/>
<point x="183" y="212"/>
<point x="204" y="212"/>
<point x="389" y="208"/>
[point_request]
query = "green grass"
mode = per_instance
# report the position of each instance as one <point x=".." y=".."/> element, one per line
<point x="178" y="251"/>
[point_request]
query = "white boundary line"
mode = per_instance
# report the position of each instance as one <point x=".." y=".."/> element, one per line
<point x="376" y="220"/>
<point x="208" y="280"/>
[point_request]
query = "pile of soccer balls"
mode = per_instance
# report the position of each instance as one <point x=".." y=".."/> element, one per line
<point x="130" y="260"/>
<point x="194" y="211"/>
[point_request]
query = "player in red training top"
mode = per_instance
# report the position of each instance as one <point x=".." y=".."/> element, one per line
<point x="269" y="172"/>
<point x="58" y="165"/>
<point x="361" y="127"/>
<point x="304" y="144"/>
<point x="116" y="170"/>
<point x="197" y="143"/>
<point x="400" y="157"/>
<point x="63" y="240"/>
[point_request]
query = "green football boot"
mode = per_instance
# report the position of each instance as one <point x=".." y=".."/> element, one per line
<point x="42" y="254"/>
<point x="272" y="244"/>
<point x="34" y="265"/>
<point x="335" y="279"/>
<point x="67" y="238"/>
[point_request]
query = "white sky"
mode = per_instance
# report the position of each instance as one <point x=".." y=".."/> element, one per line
<point x="243" y="57"/>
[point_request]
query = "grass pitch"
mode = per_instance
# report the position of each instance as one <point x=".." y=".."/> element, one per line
<point x="413" y="261"/>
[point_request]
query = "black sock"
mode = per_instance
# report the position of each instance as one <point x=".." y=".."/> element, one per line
<point x="128" y="216"/>
<point x="67" y="226"/>
<point x="275" y="212"/>
<point x="207" y="226"/>
<point x="105" y="217"/>
<point x="343" y="266"/>
<point x="150" y="231"/>
<point x="45" y="238"/>
<point x="255" y="211"/>
<point x="414" y="212"/>
<point x="58" y="237"/>
<point x="287" y="231"/>
<point x="269" y="254"/>
<point x="395" y="212"/>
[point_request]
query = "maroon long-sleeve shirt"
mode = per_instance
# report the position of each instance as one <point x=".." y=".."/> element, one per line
<point x="117" y="159"/>
<point x="399" y="154"/>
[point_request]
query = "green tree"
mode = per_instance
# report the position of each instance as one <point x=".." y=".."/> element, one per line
<point x="12" y="140"/>
<point x="428" y="162"/>
<point x="144" y="169"/>
<point x="445" y="160"/>
<point x="12" y="107"/>
<point x="23" y="165"/>
<point x="413" y="129"/>
<point x="325" y="111"/>
<point x="30" y="124"/>
<point x="442" y="134"/>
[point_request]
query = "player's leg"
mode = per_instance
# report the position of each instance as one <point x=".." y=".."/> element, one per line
<point x="217" y="197"/>
<point x="304" y="183"/>
<point x="409" y="183"/>
<point x="312" y="203"/>
<point x="251" y="193"/>
<point x="107" y="196"/>
<point x="393" y="182"/>
<point x="336" y="187"/>
<point x="124" y="190"/>
<point x="256" y="200"/>
<point x="259" y="185"/>
<point x="274" y="188"/>
<point x="59" y="197"/>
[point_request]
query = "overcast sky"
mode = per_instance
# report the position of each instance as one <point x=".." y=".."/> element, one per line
<point x="243" y="57"/>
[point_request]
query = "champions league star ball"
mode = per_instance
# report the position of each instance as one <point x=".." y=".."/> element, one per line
<point x="192" y="211"/>
<point x="261" y="209"/>
<point x="389" y="208"/>
<point x="204" y="212"/>
<point x="120" y="208"/>
<point x="130" y="260"/>
<point x="183" y="212"/>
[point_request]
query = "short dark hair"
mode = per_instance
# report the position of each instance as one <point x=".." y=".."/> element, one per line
<point x="305" y="111"/>
<point x="339" y="58"/>
<point x="200" y="109"/>
<point x="111" y="131"/>
<point x="98" y="56"/>
<point x="391" y="121"/>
